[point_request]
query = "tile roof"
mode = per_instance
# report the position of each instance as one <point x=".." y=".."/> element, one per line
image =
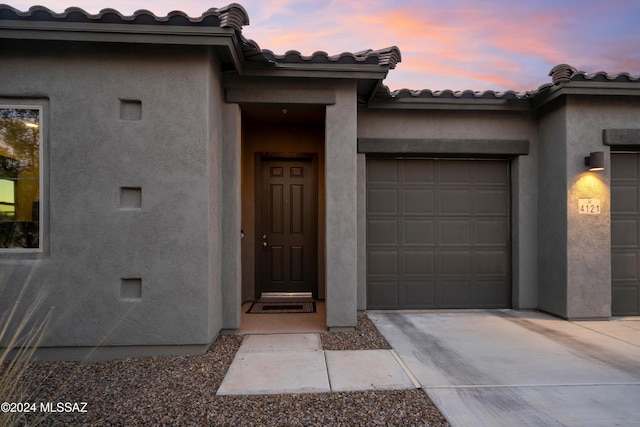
<point x="564" y="73"/>
<point x="234" y="16"/>
<point x="560" y="74"/>
<point x="389" y="56"/>
<point x="442" y="94"/>
<point x="231" y="16"/>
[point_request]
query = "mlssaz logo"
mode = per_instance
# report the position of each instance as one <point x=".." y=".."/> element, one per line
<point x="79" y="407"/>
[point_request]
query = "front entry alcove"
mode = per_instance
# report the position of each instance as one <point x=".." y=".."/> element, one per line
<point x="283" y="200"/>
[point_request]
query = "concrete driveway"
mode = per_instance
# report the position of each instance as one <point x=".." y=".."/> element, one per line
<point x="508" y="368"/>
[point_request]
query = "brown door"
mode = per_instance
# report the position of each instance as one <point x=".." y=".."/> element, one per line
<point x="286" y="204"/>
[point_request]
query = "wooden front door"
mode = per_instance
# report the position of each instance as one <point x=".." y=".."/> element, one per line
<point x="286" y="224"/>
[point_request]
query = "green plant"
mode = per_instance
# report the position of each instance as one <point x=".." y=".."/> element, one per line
<point x="20" y="338"/>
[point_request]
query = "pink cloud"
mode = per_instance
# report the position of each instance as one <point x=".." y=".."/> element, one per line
<point x="468" y="44"/>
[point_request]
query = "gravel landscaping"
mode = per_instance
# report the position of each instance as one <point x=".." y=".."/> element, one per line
<point x="365" y="337"/>
<point x="180" y="390"/>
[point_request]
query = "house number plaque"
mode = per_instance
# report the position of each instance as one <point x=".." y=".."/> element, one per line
<point x="589" y="206"/>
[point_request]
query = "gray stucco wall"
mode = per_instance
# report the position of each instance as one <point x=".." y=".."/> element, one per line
<point x="168" y="156"/>
<point x="362" y="232"/>
<point x="575" y="249"/>
<point x="341" y="208"/>
<point x="482" y="126"/>
<point x="552" y="211"/>
<point x="218" y="157"/>
<point x="231" y="216"/>
<point x="589" y="236"/>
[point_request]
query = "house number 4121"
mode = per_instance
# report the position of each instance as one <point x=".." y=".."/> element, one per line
<point x="589" y="207"/>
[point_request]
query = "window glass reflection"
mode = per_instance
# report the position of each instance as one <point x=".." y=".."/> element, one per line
<point x="19" y="178"/>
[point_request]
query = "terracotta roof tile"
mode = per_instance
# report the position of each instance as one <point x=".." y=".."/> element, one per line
<point x="564" y="73"/>
<point x="560" y="74"/>
<point x="449" y="94"/>
<point x="386" y="57"/>
<point x="602" y="76"/>
<point x="231" y="16"/>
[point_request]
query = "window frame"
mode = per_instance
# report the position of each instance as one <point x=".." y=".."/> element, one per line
<point x="43" y="204"/>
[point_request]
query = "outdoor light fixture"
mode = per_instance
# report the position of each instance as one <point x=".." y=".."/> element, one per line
<point x="595" y="161"/>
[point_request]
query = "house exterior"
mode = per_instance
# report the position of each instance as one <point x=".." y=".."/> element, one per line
<point x="156" y="172"/>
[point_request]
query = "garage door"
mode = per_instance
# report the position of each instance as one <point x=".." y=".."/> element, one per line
<point x="437" y="234"/>
<point x="625" y="234"/>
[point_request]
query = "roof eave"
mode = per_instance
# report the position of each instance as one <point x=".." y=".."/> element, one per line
<point x="224" y="38"/>
<point x="123" y="33"/>
<point x="334" y="70"/>
<point x="451" y="104"/>
<point x="587" y="88"/>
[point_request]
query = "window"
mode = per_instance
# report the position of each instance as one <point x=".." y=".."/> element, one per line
<point x="20" y="177"/>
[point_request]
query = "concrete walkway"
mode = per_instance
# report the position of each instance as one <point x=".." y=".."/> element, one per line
<point x="296" y="363"/>
<point x="507" y="368"/>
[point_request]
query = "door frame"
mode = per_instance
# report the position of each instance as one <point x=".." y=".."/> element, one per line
<point x="258" y="249"/>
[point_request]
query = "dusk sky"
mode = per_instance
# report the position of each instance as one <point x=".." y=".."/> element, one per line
<point x="456" y="44"/>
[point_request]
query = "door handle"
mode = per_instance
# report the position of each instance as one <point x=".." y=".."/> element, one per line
<point x="265" y="244"/>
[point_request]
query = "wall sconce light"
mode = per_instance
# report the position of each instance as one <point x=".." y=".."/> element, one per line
<point x="595" y="161"/>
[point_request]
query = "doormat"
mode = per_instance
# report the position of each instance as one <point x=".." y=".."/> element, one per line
<point x="282" y="307"/>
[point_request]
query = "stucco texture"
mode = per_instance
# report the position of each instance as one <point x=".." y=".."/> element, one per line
<point x="167" y="154"/>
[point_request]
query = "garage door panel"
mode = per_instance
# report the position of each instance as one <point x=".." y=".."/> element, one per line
<point x="453" y="172"/>
<point x="382" y="231"/>
<point x="625" y="243"/>
<point x="418" y="201"/>
<point x="382" y="263"/>
<point x="624" y="233"/>
<point x="491" y="202"/>
<point x="624" y="199"/>
<point x="454" y="294"/>
<point x="418" y="171"/>
<point x="384" y="201"/>
<point x="382" y="171"/>
<point x="448" y="246"/>
<point x="491" y="232"/>
<point x="418" y="232"/>
<point x="455" y="263"/>
<point x="490" y="294"/>
<point x="626" y="167"/>
<point x="454" y="202"/>
<point x="487" y="173"/>
<point x="491" y="263"/>
<point x="624" y="265"/>
<point x="455" y="232"/>
<point x="419" y="294"/>
<point x="418" y="263"/>
<point x="382" y="294"/>
<point x="625" y="300"/>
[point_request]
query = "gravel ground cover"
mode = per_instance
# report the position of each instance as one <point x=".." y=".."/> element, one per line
<point x="365" y="337"/>
<point x="180" y="390"/>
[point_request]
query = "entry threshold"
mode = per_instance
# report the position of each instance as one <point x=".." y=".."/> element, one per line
<point x="286" y="296"/>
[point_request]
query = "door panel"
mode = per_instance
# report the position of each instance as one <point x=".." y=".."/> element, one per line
<point x="286" y="204"/>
